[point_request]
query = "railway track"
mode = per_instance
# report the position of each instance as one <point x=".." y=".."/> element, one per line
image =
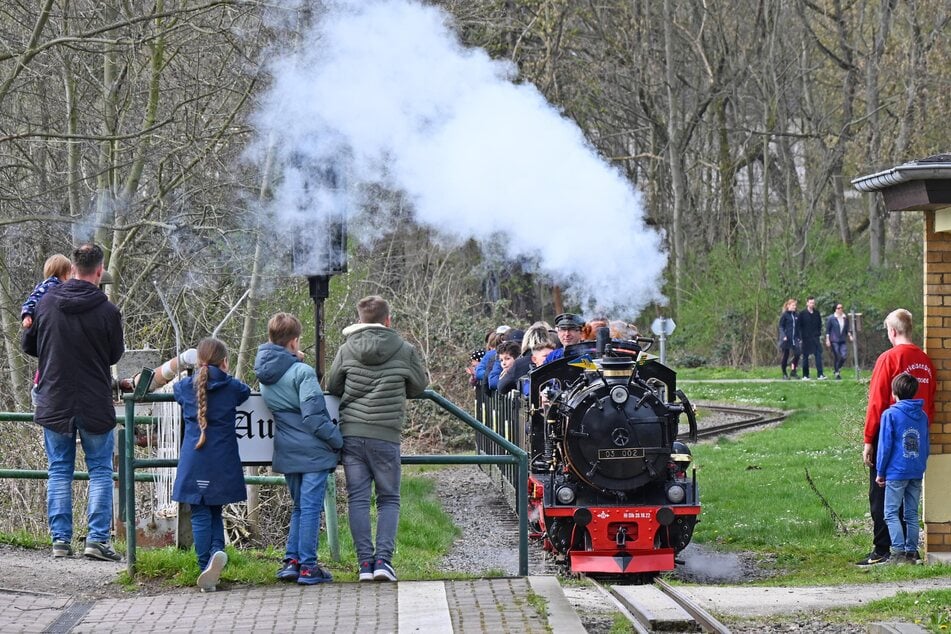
<point x="659" y="607"/>
<point x="741" y="418"/>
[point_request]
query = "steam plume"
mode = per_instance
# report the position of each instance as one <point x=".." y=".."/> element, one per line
<point x="384" y="91"/>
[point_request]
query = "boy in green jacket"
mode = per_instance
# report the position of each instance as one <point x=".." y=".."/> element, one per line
<point x="374" y="372"/>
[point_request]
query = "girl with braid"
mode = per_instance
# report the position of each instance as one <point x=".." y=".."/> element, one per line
<point x="209" y="468"/>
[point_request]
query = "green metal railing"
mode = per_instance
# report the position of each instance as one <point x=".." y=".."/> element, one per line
<point x="516" y="458"/>
<point x="129" y="463"/>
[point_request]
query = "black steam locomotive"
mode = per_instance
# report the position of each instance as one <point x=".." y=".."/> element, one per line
<point x="609" y="490"/>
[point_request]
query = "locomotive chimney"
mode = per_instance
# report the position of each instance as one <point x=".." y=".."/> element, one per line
<point x="617" y="369"/>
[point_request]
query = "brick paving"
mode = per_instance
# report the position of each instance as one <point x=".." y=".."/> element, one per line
<point x="29" y="612"/>
<point x="482" y="605"/>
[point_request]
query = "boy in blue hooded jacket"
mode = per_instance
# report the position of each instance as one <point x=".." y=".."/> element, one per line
<point x="306" y="442"/>
<point x="903" y="447"/>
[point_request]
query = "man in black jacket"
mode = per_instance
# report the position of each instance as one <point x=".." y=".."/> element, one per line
<point x="77" y="335"/>
<point x="810" y="324"/>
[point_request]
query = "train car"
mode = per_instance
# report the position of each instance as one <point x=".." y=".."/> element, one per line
<point x="609" y="490"/>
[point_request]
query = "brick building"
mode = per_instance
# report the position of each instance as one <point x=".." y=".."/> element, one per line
<point x="925" y="185"/>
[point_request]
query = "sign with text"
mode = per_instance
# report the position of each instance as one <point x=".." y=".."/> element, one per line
<point x="254" y="426"/>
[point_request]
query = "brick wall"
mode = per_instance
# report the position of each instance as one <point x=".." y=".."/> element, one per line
<point x="937" y="341"/>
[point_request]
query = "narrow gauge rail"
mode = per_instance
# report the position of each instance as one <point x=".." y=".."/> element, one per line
<point x="648" y="615"/>
<point x="748" y="417"/>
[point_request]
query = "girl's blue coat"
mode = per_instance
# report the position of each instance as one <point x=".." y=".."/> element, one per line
<point x="211" y="475"/>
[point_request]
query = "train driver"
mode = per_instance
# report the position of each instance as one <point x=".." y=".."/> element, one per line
<point x="568" y="327"/>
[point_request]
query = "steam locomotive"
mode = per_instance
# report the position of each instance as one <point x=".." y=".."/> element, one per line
<point x="609" y="490"/>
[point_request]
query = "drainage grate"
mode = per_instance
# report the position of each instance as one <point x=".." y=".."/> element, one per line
<point x="69" y="618"/>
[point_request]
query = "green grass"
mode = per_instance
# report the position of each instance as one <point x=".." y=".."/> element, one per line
<point x="930" y="609"/>
<point x="23" y="539"/>
<point x="425" y="535"/>
<point x="757" y="497"/>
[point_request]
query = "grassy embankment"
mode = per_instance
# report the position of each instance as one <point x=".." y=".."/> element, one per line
<point x="425" y="534"/>
<point x="796" y="494"/>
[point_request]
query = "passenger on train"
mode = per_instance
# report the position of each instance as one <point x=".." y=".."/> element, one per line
<point x="492" y="340"/>
<point x="623" y="330"/>
<point x="475" y="357"/>
<point x="590" y="330"/>
<point x="513" y="334"/>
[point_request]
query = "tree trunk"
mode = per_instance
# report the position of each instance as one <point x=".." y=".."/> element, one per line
<point x="677" y="179"/>
<point x="876" y="210"/>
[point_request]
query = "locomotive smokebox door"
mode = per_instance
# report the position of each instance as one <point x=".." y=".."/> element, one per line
<point x="615" y="433"/>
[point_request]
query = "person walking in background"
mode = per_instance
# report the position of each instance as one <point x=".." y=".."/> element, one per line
<point x="901" y="459"/>
<point x="810" y="328"/>
<point x="903" y="357"/>
<point x="789" y="337"/>
<point x="838" y="334"/>
<point x="76" y="334"/>
<point x="209" y="471"/>
<point x="55" y="271"/>
<point x="373" y="373"/>
<point x="307" y="443"/>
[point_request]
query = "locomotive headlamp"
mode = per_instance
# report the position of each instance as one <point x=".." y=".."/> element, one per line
<point x="676" y="493"/>
<point x="565" y="494"/>
<point x="619" y="394"/>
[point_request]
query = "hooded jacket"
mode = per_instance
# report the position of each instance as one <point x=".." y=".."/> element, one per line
<point x="903" y="442"/>
<point x="77" y="336"/>
<point x="373" y="374"/>
<point x="306" y="440"/>
<point x="211" y="475"/>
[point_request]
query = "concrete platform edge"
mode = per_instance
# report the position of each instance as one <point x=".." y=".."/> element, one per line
<point x="423" y="607"/>
<point x="895" y="628"/>
<point x="562" y="619"/>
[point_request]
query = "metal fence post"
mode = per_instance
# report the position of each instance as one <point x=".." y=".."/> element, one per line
<point x="129" y="489"/>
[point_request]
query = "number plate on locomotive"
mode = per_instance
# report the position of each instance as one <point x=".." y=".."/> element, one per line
<point x="617" y="454"/>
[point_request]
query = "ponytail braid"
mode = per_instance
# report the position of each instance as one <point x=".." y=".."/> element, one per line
<point x="201" y="392"/>
<point x="211" y="351"/>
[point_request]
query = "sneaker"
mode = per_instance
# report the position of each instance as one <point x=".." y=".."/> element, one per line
<point x="366" y="571"/>
<point x="102" y="551"/>
<point x="309" y="575"/>
<point x="289" y="571"/>
<point x="838" y="377"/>
<point x="209" y="577"/>
<point x="806" y="378"/>
<point x="785" y="377"/>
<point x="821" y="377"/>
<point x="62" y="549"/>
<point x="873" y="559"/>
<point x="896" y="559"/>
<point x="793" y="374"/>
<point x="383" y="571"/>
<point x="914" y="557"/>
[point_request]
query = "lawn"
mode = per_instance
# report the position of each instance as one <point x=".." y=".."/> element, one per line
<point x="797" y="492"/>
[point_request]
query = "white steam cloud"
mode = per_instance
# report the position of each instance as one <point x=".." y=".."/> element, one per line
<point x="384" y="91"/>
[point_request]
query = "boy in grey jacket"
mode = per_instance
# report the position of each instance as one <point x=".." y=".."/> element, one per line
<point x="306" y="442"/>
<point x="373" y="374"/>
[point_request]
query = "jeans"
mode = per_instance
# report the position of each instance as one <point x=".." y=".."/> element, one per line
<point x="811" y="348"/>
<point x="307" y="491"/>
<point x="208" y="531"/>
<point x="366" y="461"/>
<point x="898" y="492"/>
<point x="61" y="459"/>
